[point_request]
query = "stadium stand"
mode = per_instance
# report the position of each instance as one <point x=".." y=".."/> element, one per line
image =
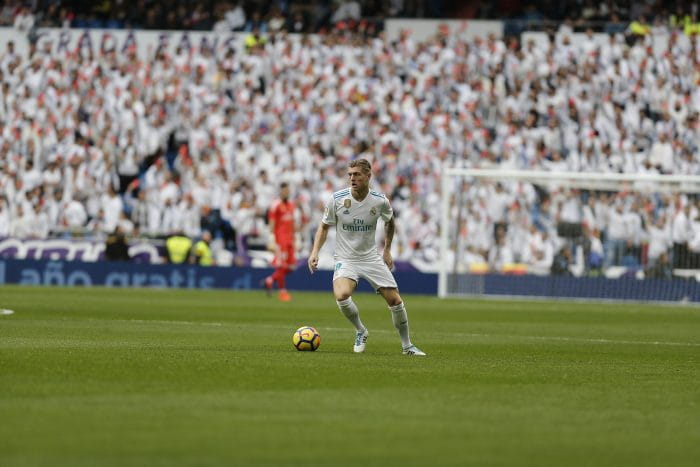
<point x="193" y="140"/>
<point x="319" y="15"/>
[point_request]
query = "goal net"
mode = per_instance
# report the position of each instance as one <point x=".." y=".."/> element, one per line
<point x="570" y="235"/>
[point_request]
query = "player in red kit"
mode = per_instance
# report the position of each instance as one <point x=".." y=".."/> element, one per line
<point x="281" y="221"/>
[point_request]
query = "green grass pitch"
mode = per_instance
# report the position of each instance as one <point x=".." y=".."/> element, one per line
<point x="116" y="377"/>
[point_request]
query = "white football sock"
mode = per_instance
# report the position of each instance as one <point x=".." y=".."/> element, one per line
<point x="349" y="309"/>
<point x="400" y="319"/>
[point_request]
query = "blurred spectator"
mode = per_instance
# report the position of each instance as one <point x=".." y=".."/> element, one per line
<point x="596" y="252"/>
<point x="297" y="22"/>
<point x="24" y="20"/>
<point x="256" y="23"/>
<point x="4" y="218"/>
<point x="661" y="154"/>
<point x="178" y="248"/>
<point x="201" y="251"/>
<point x="346" y="10"/>
<point x="20" y="226"/>
<point x="235" y="16"/>
<point x="116" y="247"/>
<point x="681" y="234"/>
<point x="276" y="21"/>
<point x="254" y="40"/>
<point x="639" y="27"/>
<point x="501" y="254"/>
<point x="660" y="269"/>
<point x="74" y="218"/>
<point x="538" y="253"/>
<point x="7" y="13"/>
<point x="562" y="261"/>
<point x="660" y="240"/>
<point x="617" y="236"/>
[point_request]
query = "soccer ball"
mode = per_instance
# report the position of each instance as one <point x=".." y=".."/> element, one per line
<point x="306" y="338"/>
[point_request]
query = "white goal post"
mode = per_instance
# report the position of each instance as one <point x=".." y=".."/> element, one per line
<point x="455" y="182"/>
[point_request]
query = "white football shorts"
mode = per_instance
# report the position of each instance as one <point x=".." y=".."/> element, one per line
<point x="376" y="272"/>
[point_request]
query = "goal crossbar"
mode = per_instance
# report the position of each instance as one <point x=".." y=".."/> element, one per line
<point x="588" y="180"/>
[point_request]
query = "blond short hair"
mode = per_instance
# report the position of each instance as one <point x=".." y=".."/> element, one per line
<point x="363" y="164"/>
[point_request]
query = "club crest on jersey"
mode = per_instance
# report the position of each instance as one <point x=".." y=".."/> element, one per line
<point x="373" y="211"/>
<point x="346" y="205"/>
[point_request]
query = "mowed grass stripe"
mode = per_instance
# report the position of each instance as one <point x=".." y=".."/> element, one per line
<point x="154" y="377"/>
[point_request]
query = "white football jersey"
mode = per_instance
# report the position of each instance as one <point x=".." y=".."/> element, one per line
<point x="356" y="223"/>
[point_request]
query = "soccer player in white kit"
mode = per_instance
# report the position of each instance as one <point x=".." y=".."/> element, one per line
<point x="354" y="212"/>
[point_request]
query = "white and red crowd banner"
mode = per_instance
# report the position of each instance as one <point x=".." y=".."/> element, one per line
<point x="62" y="41"/>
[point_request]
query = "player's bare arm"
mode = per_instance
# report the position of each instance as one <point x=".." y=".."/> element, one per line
<point x="389" y="229"/>
<point x="319" y="240"/>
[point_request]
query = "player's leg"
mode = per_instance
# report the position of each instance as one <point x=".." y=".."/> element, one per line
<point x="400" y="319"/>
<point x="343" y="287"/>
<point x="398" y="313"/>
<point x="269" y="281"/>
<point x="382" y="280"/>
<point x="278" y="276"/>
<point x="282" y="284"/>
<point x="289" y="261"/>
<point x="281" y="263"/>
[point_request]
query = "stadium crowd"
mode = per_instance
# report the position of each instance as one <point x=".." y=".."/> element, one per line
<point x="321" y="15"/>
<point x="222" y="15"/>
<point x="196" y="140"/>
